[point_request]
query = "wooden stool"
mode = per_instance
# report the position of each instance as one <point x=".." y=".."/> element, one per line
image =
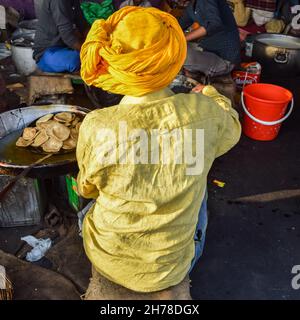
<point x="101" y="288"/>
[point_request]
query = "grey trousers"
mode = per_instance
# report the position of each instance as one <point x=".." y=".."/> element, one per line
<point x="205" y="62"/>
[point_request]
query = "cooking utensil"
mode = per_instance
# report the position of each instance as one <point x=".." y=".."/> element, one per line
<point x="278" y="54"/>
<point x="14" y="160"/>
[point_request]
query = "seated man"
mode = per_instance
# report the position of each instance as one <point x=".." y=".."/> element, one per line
<point x="217" y="47"/>
<point x="59" y="35"/>
<point x="146" y="229"/>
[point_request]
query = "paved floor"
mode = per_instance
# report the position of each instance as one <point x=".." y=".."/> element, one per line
<point x="253" y="238"/>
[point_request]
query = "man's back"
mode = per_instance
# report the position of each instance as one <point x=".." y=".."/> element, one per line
<point x="140" y="231"/>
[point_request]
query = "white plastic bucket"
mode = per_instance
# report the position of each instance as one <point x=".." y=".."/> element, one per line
<point x="23" y="60"/>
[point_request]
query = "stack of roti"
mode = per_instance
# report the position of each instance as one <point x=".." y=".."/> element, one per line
<point x="52" y="133"/>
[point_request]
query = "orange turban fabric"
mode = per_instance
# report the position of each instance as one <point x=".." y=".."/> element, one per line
<point x="134" y="52"/>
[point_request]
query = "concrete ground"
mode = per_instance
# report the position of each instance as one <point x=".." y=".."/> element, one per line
<point x="253" y="237"/>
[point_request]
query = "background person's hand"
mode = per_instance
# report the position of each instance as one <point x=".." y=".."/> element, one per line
<point x="198" y="89"/>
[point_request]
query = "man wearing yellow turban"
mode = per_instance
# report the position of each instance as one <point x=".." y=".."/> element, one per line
<point x="144" y="231"/>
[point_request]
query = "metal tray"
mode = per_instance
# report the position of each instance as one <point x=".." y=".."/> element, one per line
<point x="13" y="159"/>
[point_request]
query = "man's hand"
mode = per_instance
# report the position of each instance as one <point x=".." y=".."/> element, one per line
<point x="198" y="88"/>
<point x="77" y="45"/>
<point x="80" y="39"/>
<point x="196" y="34"/>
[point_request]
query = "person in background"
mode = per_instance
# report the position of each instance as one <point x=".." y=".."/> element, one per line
<point x="24" y="7"/>
<point x="146" y="229"/>
<point x="60" y="33"/>
<point x="137" y="3"/>
<point x="214" y="46"/>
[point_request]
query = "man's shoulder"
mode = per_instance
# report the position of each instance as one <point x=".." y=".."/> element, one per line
<point x="198" y="107"/>
<point x="186" y="108"/>
<point x="192" y="99"/>
<point x="101" y="116"/>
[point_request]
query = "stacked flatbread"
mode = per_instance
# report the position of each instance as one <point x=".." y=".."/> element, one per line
<point x="52" y="133"/>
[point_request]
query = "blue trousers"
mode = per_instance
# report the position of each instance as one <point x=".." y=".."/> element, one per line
<point x="199" y="237"/>
<point x="60" y="59"/>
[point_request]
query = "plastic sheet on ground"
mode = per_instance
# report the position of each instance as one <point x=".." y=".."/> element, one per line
<point x="40" y="247"/>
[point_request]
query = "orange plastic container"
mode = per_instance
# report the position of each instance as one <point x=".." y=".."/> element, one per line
<point x="264" y="110"/>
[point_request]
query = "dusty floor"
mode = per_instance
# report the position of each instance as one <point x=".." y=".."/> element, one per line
<point x="253" y="238"/>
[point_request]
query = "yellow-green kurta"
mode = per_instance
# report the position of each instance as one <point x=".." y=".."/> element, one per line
<point x="140" y="231"/>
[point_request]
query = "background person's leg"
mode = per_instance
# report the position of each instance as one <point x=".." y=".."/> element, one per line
<point x="200" y="232"/>
<point x="59" y="59"/>
<point x="205" y="62"/>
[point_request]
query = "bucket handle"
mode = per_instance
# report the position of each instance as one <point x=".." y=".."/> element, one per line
<point x="266" y="123"/>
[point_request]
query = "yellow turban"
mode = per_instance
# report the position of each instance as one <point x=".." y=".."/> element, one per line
<point x="135" y="51"/>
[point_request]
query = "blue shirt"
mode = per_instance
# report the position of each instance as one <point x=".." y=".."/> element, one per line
<point x="222" y="33"/>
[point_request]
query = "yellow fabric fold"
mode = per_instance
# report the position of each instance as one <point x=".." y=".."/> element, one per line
<point x="241" y="13"/>
<point x="221" y="100"/>
<point x="134" y="52"/>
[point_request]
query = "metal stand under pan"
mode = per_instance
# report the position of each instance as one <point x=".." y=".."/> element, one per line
<point x="26" y="202"/>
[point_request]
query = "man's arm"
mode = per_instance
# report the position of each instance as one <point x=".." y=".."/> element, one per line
<point x="81" y="23"/>
<point x="196" y="34"/>
<point x="185" y="21"/>
<point x="62" y="15"/>
<point x="230" y="131"/>
<point x="209" y="18"/>
<point x="86" y="187"/>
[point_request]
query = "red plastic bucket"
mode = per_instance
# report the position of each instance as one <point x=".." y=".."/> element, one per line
<point x="265" y="106"/>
